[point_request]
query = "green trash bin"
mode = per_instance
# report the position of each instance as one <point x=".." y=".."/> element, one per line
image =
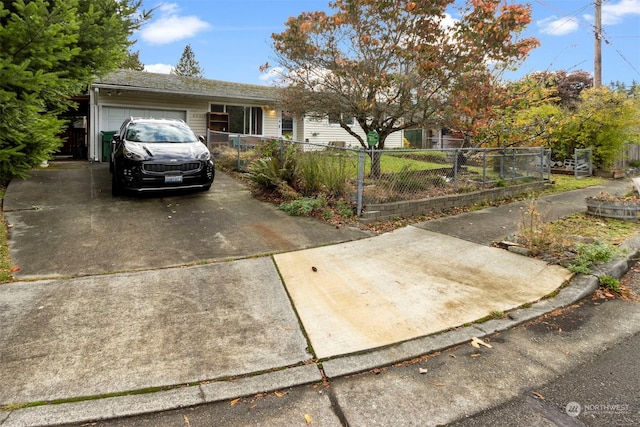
<point x="107" y="136"/>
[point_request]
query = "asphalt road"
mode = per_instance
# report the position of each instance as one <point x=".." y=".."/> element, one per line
<point x="602" y="392"/>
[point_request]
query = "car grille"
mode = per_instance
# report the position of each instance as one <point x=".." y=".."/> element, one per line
<point x="177" y="167"/>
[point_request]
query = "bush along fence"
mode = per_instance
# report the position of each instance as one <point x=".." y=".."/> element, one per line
<point x="413" y="181"/>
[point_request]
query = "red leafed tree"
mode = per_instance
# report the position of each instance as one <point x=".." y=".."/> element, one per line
<point x="395" y="64"/>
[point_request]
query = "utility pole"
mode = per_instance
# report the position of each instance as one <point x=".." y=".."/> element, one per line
<point x="597" y="58"/>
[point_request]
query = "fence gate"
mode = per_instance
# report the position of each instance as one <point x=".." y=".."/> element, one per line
<point x="583" y="162"/>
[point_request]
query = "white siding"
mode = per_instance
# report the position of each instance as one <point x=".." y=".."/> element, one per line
<point x="298" y="127"/>
<point x="322" y="132"/>
<point x="271" y="123"/>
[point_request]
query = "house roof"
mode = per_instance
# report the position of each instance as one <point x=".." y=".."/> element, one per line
<point x="143" y="81"/>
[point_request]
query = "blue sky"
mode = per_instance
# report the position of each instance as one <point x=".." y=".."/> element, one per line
<point x="231" y="38"/>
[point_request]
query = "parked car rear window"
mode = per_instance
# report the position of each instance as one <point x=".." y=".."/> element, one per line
<point x="160" y="132"/>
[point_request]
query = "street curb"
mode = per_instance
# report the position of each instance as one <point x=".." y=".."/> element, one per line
<point x="123" y="406"/>
<point x="578" y="288"/>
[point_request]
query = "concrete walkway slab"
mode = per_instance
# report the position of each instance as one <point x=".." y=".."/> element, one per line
<point x="402" y="285"/>
<point x="116" y="333"/>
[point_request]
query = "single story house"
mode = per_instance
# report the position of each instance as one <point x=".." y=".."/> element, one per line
<point x="203" y="104"/>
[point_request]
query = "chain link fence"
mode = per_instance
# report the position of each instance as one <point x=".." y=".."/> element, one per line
<point x="366" y="176"/>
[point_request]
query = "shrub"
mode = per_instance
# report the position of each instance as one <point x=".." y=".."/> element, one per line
<point x="310" y="173"/>
<point x="305" y="206"/>
<point x="591" y="254"/>
<point x="345" y="209"/>
<point x="276" y="164"/>
<point x="323" y="172"/>
<point x="265" y="173"/>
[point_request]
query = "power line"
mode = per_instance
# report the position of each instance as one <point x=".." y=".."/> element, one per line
<point x="602" y="33"/>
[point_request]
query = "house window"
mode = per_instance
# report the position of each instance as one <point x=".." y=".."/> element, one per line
<point x="334" y="119"/>
<point x="242" y="119"/>
<point x="287" y="124"/>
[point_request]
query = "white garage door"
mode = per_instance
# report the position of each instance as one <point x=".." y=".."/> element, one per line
<point x="112" y="117"/>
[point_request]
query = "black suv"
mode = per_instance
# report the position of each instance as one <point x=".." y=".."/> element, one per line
<point x="157" y="154"/>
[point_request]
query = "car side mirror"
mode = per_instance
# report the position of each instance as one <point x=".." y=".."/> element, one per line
<point x="202" y="139"/>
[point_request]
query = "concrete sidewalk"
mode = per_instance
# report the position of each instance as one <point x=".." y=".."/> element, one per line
<point x="309" y="301"/>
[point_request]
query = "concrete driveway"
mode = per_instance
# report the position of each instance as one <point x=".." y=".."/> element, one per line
<point x="64" y="222"/>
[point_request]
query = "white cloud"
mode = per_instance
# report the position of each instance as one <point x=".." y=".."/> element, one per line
<point x="158" y="68"/>
<point x="448" y="21"/>
<point x="614" y="13"/>
<point x="171" y="27"/>
<point x="271" y="75"/>
<point x="555" y="26"/>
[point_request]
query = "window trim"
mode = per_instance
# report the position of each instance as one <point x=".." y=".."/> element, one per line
<point x="251" y="125"/>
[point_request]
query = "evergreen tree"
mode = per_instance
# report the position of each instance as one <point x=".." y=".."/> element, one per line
<point x="51" y="49"/>
<point x="132" y="62"/>
<point x="188" y="65"/>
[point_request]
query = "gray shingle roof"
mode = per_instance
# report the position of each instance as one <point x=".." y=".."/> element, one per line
<point x="192" y="86"/>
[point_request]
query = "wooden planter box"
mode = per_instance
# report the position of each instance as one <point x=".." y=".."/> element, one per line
<point x="620" y="209"/>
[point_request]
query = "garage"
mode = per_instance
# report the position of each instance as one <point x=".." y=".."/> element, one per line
<point x="112" y="117"/>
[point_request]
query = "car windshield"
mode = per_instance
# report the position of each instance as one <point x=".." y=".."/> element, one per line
<point x="160" y="132"/>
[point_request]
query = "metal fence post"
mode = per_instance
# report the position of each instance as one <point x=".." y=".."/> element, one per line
<point x="542" y="163"/>
<point x="484" y="168"/>
<point x="360" y="190"/>
<point x="456" y="153"/>
<point x="281" y="152"/>
<point x="238" y="164"/>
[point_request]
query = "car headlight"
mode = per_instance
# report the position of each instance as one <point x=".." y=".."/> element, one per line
<point x="130" y="152"/>
<point x="205" y="155"/>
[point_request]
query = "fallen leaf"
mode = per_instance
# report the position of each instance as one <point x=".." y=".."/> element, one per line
<point x="538" y="395"/>
<point x="234" y="402"/>
<point x="452" y="355"/>
<point x="15" y="268"/>
<point x="186" y="420"/>
<point x="475" y="355"/>
<point x="423" y="370"/>
<point x="308" y="419"/>
<point x="477" y="342"/>
<point x="280" y="394"/>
